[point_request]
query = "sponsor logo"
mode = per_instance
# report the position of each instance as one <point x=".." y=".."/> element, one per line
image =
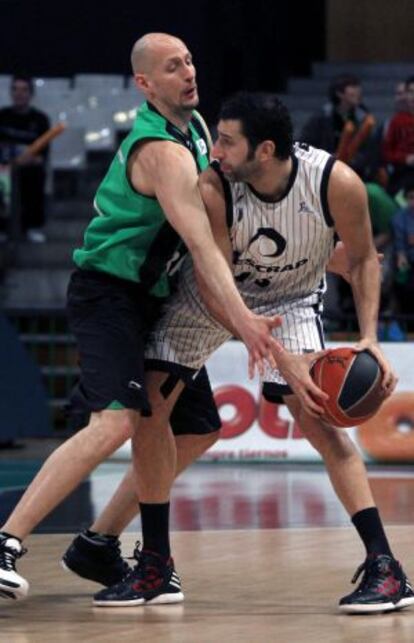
<point x="263" y="249"/>
<point x="175" y="261"/>
<point x="304" y="208"/>
<point x="134" y="385"/>
<point x="266" y="244"/>
<point x="201" y="146"/>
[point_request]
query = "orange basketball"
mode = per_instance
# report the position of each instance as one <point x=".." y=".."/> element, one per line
<point x="353" y="382"/>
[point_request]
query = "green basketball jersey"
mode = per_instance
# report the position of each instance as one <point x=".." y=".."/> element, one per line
<point x="129" y="236"/>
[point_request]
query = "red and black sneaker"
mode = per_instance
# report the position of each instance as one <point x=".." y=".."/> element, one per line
<point x="384" y="587"/>
<point x="153" y="581"/>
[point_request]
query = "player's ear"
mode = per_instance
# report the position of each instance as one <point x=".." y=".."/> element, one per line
<point x="141" y="81"/>
<point x="266" y="150"/>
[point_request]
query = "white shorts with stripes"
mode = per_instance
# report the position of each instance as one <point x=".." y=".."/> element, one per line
<point x="186" y="335"/>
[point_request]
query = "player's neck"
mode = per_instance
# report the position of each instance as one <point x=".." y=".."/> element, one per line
<point x="178" y="117"/>
<point x="272" y="183"/>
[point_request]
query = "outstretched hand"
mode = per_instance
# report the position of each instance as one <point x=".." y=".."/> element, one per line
<point x="262" y="346"/>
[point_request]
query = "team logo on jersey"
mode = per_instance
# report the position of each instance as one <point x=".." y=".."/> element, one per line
<point x="266" y="244"/>
<point x="202" y="146"/>
<point x="174" y="263"/>
<point x="304" y="208"/>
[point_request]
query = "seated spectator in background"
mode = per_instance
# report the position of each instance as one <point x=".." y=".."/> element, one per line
<point x="344" y="127"/>
<point x="20" y="125"/>
<point x="398" y="144"/>
<point x="400" y="96"/>
<point x="403" y="227"/>
<point x="382" y="208"/>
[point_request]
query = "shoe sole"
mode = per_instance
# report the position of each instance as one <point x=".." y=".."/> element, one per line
<point x="14" y="593"/>
<point x="163" y="599"/>
<point x="374" y="609"/>
<point x="69" y="570"/>
<point x="405" y="602"/>
<point x="75" y="572"/>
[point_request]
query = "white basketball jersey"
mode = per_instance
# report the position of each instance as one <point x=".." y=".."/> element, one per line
<point x="280" y="254"/>
<point x="280" y="249"/>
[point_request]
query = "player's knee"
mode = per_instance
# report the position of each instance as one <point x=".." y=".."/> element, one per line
<point x="334" y="442"/>
<point x="113" y="429"/>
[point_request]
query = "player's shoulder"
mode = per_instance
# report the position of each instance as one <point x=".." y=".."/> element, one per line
<point x="309" y="154"/>
<point x="210" y="184"/>
<point x="211" y="176"/>
<point x="345" y="185"/>
<point x="162" y="152"/>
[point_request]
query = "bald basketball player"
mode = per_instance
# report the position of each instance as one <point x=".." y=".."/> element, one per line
<point x="148" y="211"/>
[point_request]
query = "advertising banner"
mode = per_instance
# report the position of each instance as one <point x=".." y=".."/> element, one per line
<point x="254" y="429"/>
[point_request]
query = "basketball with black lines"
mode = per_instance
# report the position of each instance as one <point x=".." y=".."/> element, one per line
<point x="353" y="382"/>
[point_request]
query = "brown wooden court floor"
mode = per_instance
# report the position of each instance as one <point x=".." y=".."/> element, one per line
<point x="254" y="586"/>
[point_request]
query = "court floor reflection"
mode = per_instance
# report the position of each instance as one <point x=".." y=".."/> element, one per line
<point x="229" y="496"/>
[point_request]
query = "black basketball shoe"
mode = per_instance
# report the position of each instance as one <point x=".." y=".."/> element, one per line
<point x="407" y="598"/>
<point x="384" y="587"/>
<point x="153" y="581"/>
<point x="12" y="585"/>
<point x="97" y="558"/>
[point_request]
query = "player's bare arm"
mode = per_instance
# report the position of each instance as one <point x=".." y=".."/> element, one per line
<point x="212" y="194"/>
<point x="339" y="263"/>
<point x="167" y="171"/>
<point x="348" y="203"/>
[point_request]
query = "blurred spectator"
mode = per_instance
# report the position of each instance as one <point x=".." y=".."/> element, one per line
<point x="400" y="104"/>
<point x="398" y="145"/>
<point x="382" y="208"/>
<point x="403" y="227"/>
<point x="344" y="127"/>
<point x="400" y="97"/>
<point x="20" y="125"/>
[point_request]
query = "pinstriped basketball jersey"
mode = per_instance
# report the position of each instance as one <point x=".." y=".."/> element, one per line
<point x="280" y="254"/>
<point x="280" y="249"/>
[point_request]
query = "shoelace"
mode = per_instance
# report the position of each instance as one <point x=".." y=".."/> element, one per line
<point x="115" y="546"/>
<point x="359" y="571"/>
<point x="136" y="554"/>
<point x="366" y="568"/>
<point x="142" y="563"/>
<point x="8" y="558"/>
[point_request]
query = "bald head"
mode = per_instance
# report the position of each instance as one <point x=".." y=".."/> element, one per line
<point x="146" y="49"/>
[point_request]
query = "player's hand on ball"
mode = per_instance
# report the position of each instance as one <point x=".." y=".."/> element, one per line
<point x="296" y="371"/>
<point x="389" y="377"/>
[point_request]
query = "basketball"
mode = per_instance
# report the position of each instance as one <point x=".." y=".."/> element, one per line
<point x="353" y="382"/>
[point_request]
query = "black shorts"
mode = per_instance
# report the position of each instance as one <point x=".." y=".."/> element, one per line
<point x="110" y="318"/>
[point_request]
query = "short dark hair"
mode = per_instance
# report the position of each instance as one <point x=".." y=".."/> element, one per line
<point x="25" y="78"/>
<point x="409" y="81"/>
<point x="339" y="84"/>
<point x="263" y="117"/>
